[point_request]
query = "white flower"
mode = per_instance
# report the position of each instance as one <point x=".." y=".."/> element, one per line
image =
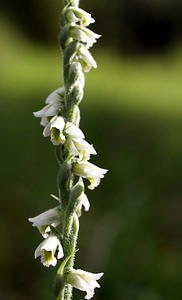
<point x="55" y="129"/>
<point x="86" y="58"/>
<point x="79" y="147"/>
<point x="45" y="219"/>
<point x="84" y="281"/>
<point x="70" y="135"/>
<point x="50" y="250"/>
<point x="75" y="14"/>
<point x="84" y="35"/>
<point x="54" y="103"/>
<point x="90" y="172"/>
<point x="75" y="142"/>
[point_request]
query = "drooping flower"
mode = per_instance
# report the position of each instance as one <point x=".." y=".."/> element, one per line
<point x="89" y="171"/>
<point x="84" y="281"/>
<point x="45" y="219"/>
<point x="50" y="250"/>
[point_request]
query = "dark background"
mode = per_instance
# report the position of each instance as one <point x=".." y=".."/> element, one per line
<point x="132" y="113"/>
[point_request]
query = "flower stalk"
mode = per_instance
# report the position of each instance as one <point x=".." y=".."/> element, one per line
<point x="60" y="118"/>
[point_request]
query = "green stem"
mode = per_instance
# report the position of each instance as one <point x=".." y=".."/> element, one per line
<point x="74" y="83"/>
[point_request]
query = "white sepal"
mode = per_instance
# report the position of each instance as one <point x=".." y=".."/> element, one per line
<point x="45" y="219"/>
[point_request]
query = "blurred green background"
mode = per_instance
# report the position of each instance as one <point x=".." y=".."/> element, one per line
<point x="131" y="112"/>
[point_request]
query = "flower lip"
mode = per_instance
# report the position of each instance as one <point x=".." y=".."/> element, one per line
<point x="50" y="250"/>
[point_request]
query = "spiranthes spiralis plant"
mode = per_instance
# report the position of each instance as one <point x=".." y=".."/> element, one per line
<point x="60" y="117"/>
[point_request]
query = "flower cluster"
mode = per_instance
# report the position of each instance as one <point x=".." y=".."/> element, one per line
<point x="60" y="118"/>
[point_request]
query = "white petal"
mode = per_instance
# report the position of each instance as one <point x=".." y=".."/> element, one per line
<point x="73" y="130"/>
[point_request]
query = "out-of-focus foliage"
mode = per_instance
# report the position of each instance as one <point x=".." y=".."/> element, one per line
<point x="133" y="26"/>
<point x="132" y="113"/>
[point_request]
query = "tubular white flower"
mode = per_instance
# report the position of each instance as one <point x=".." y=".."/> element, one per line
<point x="84" y="35"/>
<point x="84" y="281"/>
<point x="89" y="171"/>
<point x="70" y="135"/>
<point x="45" y="219"/>
<point x="50" y="250"/>
<point x="55" y="102"/>
<point x="87" y="59"/>
<point x="55" y="129"/>
<point x="75" y="14"/>
<point x="75" y="142"/>
<point x="79" y="147"/>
